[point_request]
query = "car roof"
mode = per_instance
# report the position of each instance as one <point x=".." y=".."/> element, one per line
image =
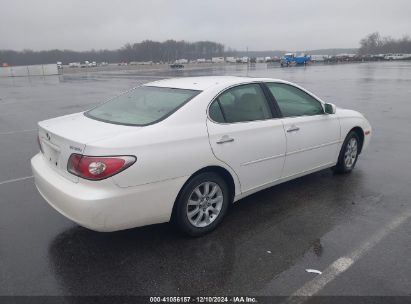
<point x="205" y="82"/>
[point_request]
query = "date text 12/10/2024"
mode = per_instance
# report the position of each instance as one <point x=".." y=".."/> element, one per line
<point x="203" y="299"/>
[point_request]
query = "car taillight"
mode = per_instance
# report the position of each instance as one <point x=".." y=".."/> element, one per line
<point x="39" y="143"/>
<point x="98" y="167"/>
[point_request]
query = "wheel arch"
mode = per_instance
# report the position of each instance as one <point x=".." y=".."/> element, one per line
<point x="360" y="133"/>
<point x="223" y="172"/>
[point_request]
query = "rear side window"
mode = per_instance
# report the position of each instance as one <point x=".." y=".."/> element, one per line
<point x="215" y="112"/>
<point x="240" y="104"/>
<point x="142" y="106"/>
<point x="294" y="102"/>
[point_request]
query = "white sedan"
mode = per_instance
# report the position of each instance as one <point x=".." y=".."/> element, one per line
<point x="185" y="149"/>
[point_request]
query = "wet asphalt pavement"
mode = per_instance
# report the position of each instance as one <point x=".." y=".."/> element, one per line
<point x="356" y="228"/>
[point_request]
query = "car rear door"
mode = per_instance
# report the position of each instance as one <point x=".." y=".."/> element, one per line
<point x="312" y="136"/>
<point x="245" y="133"/>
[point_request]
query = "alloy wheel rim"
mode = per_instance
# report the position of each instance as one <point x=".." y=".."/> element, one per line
<point x="350" y="154"/>
<point x="204" y="204"/>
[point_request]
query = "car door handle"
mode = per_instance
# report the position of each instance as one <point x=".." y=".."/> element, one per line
<point x="293" y="129"/>
<point x="225" y="139"/>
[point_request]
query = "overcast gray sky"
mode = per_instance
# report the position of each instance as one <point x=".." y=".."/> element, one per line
<point x="258" y="24"/>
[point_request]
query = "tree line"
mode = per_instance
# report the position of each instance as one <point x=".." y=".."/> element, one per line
<point x="171" y="50"/>
<point x="375" y="44"/>
<point x="148" y="50"/>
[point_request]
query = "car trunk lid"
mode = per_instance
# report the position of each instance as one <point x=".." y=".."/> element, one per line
<point x="60" y="137"/>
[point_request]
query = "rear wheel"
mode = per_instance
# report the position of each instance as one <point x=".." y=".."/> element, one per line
<point x="202" y="204"/>
<point x="348" y="154"/>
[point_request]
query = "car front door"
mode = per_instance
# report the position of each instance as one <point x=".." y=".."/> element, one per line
<point x="312" y="136"/>
<point x="246" y="134"/>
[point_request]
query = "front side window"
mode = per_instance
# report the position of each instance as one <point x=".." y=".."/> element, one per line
<point x="294" y="102"/>
<point x="240" y="104"/>
<point x="142" y="106"/>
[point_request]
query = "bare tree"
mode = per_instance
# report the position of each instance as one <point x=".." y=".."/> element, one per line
<point x="375" y="44"/>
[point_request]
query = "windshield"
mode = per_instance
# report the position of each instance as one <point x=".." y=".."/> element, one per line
<point x="142" y="105"/>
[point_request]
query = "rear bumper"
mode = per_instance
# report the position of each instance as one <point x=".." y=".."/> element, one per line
<point x="102" y="205"/>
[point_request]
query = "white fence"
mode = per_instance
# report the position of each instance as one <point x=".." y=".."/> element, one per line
<point x="29" y="70"/>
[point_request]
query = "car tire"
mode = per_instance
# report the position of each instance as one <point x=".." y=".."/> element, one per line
<point x="202" y="204"/>
<point x="349" y="153"/>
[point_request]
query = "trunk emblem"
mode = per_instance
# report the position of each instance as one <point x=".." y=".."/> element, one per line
<point x="76" y="149"/>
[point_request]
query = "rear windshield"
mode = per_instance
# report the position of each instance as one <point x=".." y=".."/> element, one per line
<point x="142" y="105"/>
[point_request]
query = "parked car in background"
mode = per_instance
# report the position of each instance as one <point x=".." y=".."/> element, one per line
<point x="74" y="64"/>
<point x="200" y="60"/>
<point x="318" y="58"/>
<point x="231" y="59"/>
<point x="177" y="66"/>
<point x="217" y="60"/>
<point x="181" y="61"/>
<point x="397" y="56"/>
<point x="88" y="64"/>
<point x="185" y="149"/>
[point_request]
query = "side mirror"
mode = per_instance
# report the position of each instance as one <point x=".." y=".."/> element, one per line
<point x="330" y="108"/>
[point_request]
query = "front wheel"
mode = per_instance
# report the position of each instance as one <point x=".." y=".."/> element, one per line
<point x="348" y="154"/>
<point x="202" y="204"/>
